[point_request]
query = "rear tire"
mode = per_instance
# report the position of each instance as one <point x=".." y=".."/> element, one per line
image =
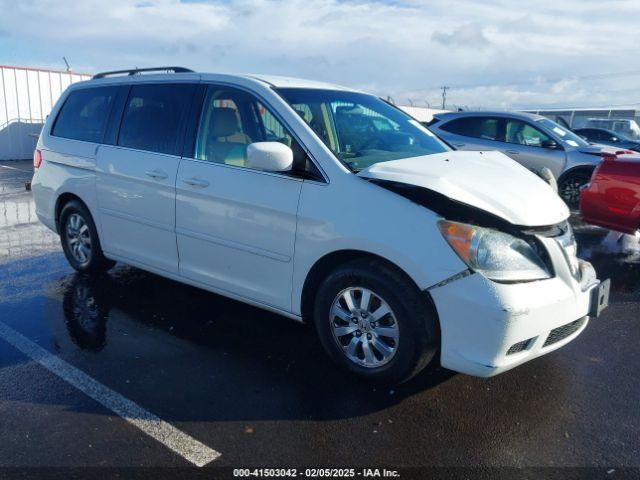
<point x="389" y="348"/>
<point x="79" y="238"/>
<point x="569" y="188"/>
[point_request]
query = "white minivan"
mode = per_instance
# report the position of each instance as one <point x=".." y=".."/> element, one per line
<point x="321" y="203"/>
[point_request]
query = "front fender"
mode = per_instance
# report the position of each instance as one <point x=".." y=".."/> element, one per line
<point x="367" y="218"/>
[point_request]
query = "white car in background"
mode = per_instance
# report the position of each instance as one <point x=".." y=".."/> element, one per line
<point x="320" y="203"/>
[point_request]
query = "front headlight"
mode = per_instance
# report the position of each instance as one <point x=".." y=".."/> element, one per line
<point x="497" y="255"/>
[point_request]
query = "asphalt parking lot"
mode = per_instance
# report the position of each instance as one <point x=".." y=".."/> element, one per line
<point x="252" y="389"/>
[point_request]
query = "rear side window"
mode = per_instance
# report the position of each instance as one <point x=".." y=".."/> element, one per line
<point x="84" y="114"/>
<point x="476" y="127"/>
<point x="153" y="117"/>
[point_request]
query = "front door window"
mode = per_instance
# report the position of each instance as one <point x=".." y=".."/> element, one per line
<point x="522" y="133"/>
<point x="233" y="119"/>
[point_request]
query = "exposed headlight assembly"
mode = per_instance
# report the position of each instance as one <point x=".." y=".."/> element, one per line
<point x="497" y="255"/>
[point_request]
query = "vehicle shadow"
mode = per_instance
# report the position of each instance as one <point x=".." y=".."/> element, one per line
<point x="190" y="355"/>
<point x="614" y="255"/>
<point x="253" y="364"/>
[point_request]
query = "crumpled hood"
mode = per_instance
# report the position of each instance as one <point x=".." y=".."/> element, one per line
<point x="596" y="149"/>
<point x="490" y="181"/>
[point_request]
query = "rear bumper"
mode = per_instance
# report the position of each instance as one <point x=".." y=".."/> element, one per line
<point x="488" y="328"/>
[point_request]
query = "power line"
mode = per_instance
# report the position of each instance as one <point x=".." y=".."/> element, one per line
<point x="444" y="96"/>
<point x="539" y="81"/>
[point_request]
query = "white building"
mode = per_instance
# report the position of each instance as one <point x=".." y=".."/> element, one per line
<point x="422" y="114"/>
<point x="26" y="98"/>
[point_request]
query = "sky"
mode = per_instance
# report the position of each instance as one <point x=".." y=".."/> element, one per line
<point x="491" y="53"/>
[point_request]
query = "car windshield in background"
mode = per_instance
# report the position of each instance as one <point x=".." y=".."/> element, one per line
<point x="623" y="137"/>
<point x="566" y="136"/>
<point x="361" y="129"/>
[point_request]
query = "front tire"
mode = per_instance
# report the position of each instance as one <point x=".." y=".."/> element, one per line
<point x="80" y="241"/>
<point x="373" y="321"/>
<point x="569" y="188"/>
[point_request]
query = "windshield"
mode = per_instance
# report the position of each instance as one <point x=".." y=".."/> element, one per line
<point x="623" y="136"/>
<point x="361" y="129"/>
<point x="566" y="136"/>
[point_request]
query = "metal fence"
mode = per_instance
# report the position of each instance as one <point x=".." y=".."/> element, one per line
<point x="623" y="120"/>
<point x="26" y="98"/>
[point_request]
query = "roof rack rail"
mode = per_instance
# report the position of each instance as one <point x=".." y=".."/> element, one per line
<point x="137" y="71"/>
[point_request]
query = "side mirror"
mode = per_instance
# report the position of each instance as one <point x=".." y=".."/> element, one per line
<point x="550" y="144"/>
<point x="269" y="156"/>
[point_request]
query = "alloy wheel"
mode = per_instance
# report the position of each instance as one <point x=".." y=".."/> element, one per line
<point x="78" y="238"/>
<point x="364" y="327"/>
<point x="570" y="191"/>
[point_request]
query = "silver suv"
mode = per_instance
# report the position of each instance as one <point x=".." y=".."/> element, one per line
<point x="532" y="140"/>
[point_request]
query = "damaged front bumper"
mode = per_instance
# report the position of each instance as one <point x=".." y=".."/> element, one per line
<point x="489" y="327"/>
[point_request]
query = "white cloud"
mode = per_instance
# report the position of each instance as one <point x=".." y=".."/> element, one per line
<point x="493" y="53"/>
<point x="467" y="36"/>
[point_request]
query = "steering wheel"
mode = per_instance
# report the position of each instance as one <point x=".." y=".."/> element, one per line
<point x="374" y="142"/>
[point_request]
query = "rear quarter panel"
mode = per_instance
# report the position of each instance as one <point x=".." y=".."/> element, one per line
<point x="58" y="175"/>
<point x="68" y="166"/>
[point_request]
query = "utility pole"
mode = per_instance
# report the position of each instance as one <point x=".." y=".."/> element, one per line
<point x="444" y="96"/>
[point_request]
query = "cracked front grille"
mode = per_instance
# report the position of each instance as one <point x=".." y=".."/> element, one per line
<point x="570" y="249"/>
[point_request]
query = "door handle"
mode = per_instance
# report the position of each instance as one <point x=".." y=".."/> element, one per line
<point x="459" y="145"/>
<point x="156" y="174"/>
<point x="513" y="152"/>
<point x="195" y="182"/>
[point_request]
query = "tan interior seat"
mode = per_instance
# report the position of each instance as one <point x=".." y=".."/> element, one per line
<point x="226" y="143"/>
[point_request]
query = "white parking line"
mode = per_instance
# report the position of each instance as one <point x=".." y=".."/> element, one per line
<point x="16" y="168"/>
<point x="178" y="441"/>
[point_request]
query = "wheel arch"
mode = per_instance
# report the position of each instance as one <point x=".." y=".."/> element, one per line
<point x="588" y="169"/>
<point x="571" y="194"/>
<point x="61" y="201"/>
<point x="327" y="263"/>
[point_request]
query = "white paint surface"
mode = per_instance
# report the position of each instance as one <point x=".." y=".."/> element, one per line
<point x="174" y="439"/>
<point x="490" y="181"/>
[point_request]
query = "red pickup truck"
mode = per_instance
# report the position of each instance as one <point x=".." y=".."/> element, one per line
<point x="612" y="198"/>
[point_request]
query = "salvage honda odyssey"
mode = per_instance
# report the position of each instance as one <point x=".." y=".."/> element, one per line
<point x="323" y="204"/>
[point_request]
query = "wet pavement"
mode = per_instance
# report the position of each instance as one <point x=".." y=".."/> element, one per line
<point x="257" y="388"/>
